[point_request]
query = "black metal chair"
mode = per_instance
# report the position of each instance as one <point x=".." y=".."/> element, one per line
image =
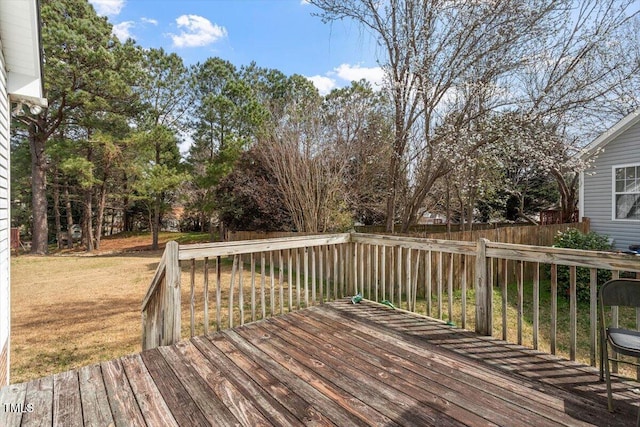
<point x="621" y="293"/>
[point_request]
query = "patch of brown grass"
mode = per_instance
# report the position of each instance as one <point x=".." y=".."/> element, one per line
<point x="72" y="311"/>
<point x="69" y="311"/>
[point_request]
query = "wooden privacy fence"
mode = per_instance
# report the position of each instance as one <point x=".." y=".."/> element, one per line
<point x="538" y="235"/>
<point x="261" y="278"/>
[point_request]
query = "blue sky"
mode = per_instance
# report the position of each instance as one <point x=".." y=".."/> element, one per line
<point x="280" y="34"/>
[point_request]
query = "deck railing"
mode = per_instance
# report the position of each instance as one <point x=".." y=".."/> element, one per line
<point x="267" y="277"/>
<point x="161" y="305"/>
<point x="449" y="280"/>
<point x="527" y="263"/>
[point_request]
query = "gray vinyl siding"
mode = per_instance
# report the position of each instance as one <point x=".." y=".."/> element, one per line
<point x="598" y="189"/>
<point x="4" y="223"/>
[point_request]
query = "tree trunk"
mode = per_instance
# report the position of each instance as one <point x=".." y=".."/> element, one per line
<point x="102" y="200"/>
<point x="126" y="215"/>
<point x="392" y="182"/>
<point x="87" y="226"/>
<point x="568" y="190"/>
<point x="56" y="207"/>
<point x="113" y="218"/>
<point x="155" y="226"/>
<point x="448" y="202"/>
<point x="67" y="201"/>
<point x="40" y="228"/>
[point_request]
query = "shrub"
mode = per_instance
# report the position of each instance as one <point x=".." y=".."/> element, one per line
<point x="574" y="239"/>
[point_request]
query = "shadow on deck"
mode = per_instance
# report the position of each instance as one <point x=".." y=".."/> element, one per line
<point x="335" y="364"/>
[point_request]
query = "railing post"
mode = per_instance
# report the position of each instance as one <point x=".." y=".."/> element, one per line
<point x="484" y="309"/>
<point x="172" y="320"/>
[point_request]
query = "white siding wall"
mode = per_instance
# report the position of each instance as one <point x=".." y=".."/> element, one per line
<point x="5" y="311"/>
<point x="598" y="196"/>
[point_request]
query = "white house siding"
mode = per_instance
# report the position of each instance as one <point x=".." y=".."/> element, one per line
<point x="4" y="225"/>
<point x="598" y="191"/>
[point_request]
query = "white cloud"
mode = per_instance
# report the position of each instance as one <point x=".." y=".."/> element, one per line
<point x="304" y="2"/>
<point x="347" y="73"/>
<point x="149" y="21"/>
<point x="375" y="75"/>
<point x="197" y="31"/>
<point x="108" y="7"/>
<point x="122" y="30"/>
<point x="323" y="84"/>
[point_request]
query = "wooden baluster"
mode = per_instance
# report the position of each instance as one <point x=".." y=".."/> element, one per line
<point x="392" y="274"/>
<point x="306" y="277"/>
<point x="369" y="272"/>
<point x="593" y="315"/>
<point x="241" y="288"/>
<point x="536" y="304"/>
<point x="253" y="286"/>
<point x="450" y="289"/>
<point x="615" y="324"/>
<point x="281" y="280"/>
<point x="376" y="272"/>
<point x="554" y="308"/>
<point x="336" y="272"/>
<point x="263" y="279"/>
<point x="218" y="294"/>
<point x="520" y="308"/>
<point x="414" y="293"/>
<point x="272" y="288"/>
<point x="383" y="272"/>
<point x="313" y="275"/>
<point x="440" y="285"/>
<point x="298" y="277"/>
<point x="290" y="277"/>
<point x="232" y="289"/>
<point x="572" y="313"/>
<point x="505" y="312"/>
<point x="427" y="286"/>
<point x="192" y="299"/>
<point x="206" y="295"/>
<point x="408" y="278"/>
<point x="321" y="251"/>
<point x="399" y="275"/>
<point x="463" y="289"/>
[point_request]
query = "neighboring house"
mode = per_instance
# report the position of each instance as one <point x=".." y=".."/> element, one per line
<point x="610" y="187"/>
<point x="21" y="84"/>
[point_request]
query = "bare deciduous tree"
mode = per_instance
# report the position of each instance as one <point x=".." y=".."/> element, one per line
<point x="307" y="166"/>
<point x="449" y="64"/>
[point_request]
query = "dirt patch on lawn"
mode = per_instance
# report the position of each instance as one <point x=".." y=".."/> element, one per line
<point x="121" y="243"/>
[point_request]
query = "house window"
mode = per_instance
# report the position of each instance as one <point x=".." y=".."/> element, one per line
<point x="626" y="192"/>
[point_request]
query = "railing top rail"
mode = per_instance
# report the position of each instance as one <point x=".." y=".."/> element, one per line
<point x="208" y="250"/>
<point x="448" y="246"/>
<point x="564" y="256"/>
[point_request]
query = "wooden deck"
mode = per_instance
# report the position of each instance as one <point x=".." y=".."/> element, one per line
<point x="337" y="364"/>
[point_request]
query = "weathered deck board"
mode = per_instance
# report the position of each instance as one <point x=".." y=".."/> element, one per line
<point x="268" y="386"/>
<point x="13" y="394"/>
<point x="95" y="403"/>
<point x="122" y="401"/>
<point x="67" y="407"/>
<point x="40" y="395"/>
<point x="155" y="411"/>
<point x="434" y="378"/>
<point x="335" y="364"/>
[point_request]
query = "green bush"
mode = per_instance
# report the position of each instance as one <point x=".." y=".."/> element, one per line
<point x="574" y="239"/>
